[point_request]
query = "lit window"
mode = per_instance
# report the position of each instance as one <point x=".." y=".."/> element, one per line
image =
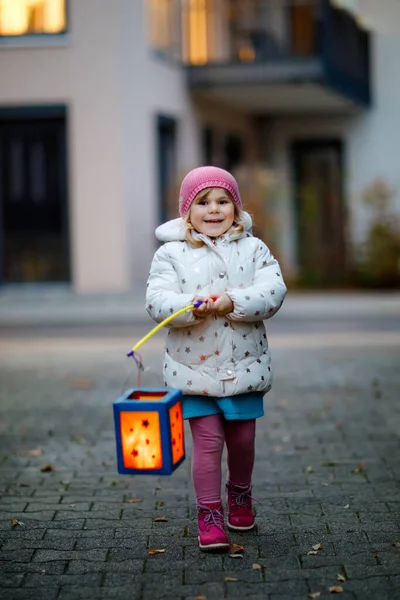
<point x="196" y="26"/>
<point x="163" y="26"/>
<point x="26" y="17"/>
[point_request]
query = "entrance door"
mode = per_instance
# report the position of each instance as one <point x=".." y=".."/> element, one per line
<point x="166" y="141"/>
<point x="33" y="211"/>
<point x="320" y="211"/>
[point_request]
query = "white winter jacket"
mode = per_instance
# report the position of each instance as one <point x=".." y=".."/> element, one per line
<point x="215" y="356"/>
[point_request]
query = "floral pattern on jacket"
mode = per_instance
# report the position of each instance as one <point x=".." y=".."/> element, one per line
<point x="215" y="356"/>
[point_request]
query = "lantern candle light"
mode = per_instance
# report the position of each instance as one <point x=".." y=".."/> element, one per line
<point x="149" y="431"/>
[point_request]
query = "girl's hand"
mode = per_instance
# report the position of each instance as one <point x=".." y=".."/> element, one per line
<point x="223" y="305"/>
<point x="205" y="309"/>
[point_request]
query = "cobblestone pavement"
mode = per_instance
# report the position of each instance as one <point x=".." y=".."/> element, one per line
<point x="326" y="478"/>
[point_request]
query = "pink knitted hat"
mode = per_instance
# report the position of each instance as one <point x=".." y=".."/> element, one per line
<point x="206" y="177"/>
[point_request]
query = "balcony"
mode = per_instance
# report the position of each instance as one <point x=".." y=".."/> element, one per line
<point x="277" y="56"/>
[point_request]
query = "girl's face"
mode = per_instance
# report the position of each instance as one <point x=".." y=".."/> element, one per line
<point x="213" y="214"/>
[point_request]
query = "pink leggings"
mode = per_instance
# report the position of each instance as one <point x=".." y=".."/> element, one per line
<point x="209" y="435"/>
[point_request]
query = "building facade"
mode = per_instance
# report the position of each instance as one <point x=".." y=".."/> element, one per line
<point x="105" y="106"/>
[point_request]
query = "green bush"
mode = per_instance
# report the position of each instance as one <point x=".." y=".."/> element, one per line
<point x="377" y="258"/>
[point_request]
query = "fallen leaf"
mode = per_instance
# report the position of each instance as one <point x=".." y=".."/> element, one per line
<point x="236" y="549"/>
<point x="312" y="553"/>
<point x="160" y="520"/>
<point x="47" y="468"/>
<point x="15" y="522"/>
<point x="78" y="439"/>
<point x="81" y="384"/>
<point x="332" y="463"/>
<point x="317" y="547"/>
<point x="35" y="452"/>
<point x="341" y="578"/>
<point x="256" y="566"/>
<point x="133" y="501"/>
<point x="347" y="506"/>
<point x="314" y="595"/>
<point x="396" y="544"/>
<point x="335" y="589"/>
<point x="231" y="579"/>
<point x="360" y="468"/>
<point x="201" y="598"/>
<point x="160" y="503"/>
<point x="310" y="469"/>
<point x="157" y="551"/>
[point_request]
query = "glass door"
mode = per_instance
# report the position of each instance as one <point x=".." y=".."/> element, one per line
<point x="33" y="201"/>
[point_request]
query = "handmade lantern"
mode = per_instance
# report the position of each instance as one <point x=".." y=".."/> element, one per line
<point x="149" y="431"/>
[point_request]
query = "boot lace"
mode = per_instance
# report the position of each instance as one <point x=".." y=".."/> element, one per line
<point x="213" y="516"/>
<point x="241" y="498"/>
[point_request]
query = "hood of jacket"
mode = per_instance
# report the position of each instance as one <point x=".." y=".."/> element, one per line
<point x="175" y="230"/>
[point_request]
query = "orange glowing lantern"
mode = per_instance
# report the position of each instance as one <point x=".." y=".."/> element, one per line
<point x="149" y="431"/>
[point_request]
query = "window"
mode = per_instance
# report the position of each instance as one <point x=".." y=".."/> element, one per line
<point x="164" y="27"/>
<point x="29" y="17"/>
<point x="196" y="28"/>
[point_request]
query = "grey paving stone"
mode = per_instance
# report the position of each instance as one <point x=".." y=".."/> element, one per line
<point x="372" y="587"/>
<point x="66" y="524"/>
<point x="10" y="580"/>
<point x="321" y="414"/>
<point x="87" y="555"/>
<point x="100" y="593"/>
<point x="46" y="593"/>
<point x="212" y="591"/>
<point x="52" y="580"/>
<point x="56" y="544"/>
<point x="16" y="555"/>
<point x="78" y="567"/>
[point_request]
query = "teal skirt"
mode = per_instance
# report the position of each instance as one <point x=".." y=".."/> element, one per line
<point x="242" y="406"/>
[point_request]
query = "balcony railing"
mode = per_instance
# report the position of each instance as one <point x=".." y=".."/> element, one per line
<point x="345" y="50"/>
<point x="240" y="31"/>
<point x="207" y="34"/>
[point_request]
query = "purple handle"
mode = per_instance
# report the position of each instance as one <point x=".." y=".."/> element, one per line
<point x="197" y="304"/>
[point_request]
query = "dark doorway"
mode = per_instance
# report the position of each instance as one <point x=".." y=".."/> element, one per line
<point x="33" y="198"/>
<point x="208" y="146"/>
<point x="233" y="151"/>
<point x="166" y="141"/>
<point x="320" y="211"/>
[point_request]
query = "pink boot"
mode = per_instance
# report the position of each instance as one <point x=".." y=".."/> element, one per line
<point x="212" y="535"/>
<point x="240" y="511"/>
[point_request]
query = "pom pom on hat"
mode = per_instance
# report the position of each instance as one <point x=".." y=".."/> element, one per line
<point x="206" y="177"/>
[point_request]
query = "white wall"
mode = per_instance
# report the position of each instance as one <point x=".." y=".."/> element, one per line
<point x="371" y="146"/>
<point x="373" y="140"/>
<point x="82" y="75"/>
<point x="150" y="85"/>
<point x="113" y="87"/>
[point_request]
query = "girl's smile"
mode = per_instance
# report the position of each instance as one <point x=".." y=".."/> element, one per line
<point x="213" y="214"/>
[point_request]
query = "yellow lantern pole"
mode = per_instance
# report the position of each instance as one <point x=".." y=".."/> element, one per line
<point x="160" y="325"/>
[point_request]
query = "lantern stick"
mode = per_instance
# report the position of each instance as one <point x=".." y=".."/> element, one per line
<point x="160" y="325"/>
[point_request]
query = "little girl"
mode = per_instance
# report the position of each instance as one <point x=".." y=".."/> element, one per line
<point x="217" y="354"/>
